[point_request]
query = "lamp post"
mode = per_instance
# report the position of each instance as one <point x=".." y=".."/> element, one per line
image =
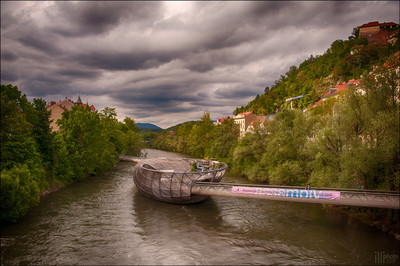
<point x="293" y="98"/>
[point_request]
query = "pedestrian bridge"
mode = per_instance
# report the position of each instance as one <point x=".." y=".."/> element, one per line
<point x="351" y="197"/>
<point x="332" y="196"/>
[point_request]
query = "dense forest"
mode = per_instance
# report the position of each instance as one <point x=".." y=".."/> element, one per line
<point x="35" y="160"/>
<point x="350" y="141"/>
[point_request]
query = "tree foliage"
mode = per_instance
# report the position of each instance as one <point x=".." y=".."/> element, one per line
<point x="201" y="138"/>
<point x="32" y="157"/>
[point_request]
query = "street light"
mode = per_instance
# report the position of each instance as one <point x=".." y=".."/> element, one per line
<point x="293" y="98"/>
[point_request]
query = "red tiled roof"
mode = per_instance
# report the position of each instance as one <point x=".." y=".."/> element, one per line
<point x="388" y="24"/>
<point x="326" y="94"/>
<point x="393" y="61"/>
<point x="245" y="114"/>
<point x="91" y="107"/>
<point x="376" y="23"/>
<point x="355" y="81"/>
<point x="340" y="87"/>
<point x="370" y="24"/>
<point x="315" y="104"/>
<point x="223" y="118"/>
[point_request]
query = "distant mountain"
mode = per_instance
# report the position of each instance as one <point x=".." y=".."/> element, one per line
<point x="178" y="125"/>
<point x="149" y="127"/>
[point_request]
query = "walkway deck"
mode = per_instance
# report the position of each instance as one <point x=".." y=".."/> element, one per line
<point x="351" y="197"/>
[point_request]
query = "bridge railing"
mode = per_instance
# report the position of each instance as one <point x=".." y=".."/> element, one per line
<point x="334" y="196"/>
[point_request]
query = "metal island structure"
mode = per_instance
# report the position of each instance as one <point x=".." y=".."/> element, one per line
<point x="171" y="180"/>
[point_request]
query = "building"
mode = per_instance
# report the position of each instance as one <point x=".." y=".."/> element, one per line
<point x="334" y="92"/>
<point x="378" y="33"/>
<point x="392" y="63"/>
<point x="58" y="108"/>
<point x="220" y="120"/>
<point x="244" y="120"/>
<point x="92" y="109"/>
<point x="56" y="112"/>
<point x="259" y="122"/>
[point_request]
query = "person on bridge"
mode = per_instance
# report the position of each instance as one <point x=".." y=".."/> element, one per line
<point x="308" y="187"/>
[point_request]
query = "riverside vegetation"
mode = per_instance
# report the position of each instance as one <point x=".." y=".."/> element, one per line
<point x="347" y="142"/>
<point x="35" y="160"/>
<point x="350" y="141"/>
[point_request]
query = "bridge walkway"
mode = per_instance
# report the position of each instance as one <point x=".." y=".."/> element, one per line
<point x="351" y="197"/>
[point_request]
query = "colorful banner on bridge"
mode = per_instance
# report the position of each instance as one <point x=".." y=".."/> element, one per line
<point x="289" y="193"/>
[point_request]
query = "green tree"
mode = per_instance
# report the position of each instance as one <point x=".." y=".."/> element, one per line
<point x="200" y="136"/>
<point x="223" y="141"/>
<point x="19" y="192"/>
<point x="133" y="141"/>
<point x="88" y="148"/>
<point x="22" y="172"/>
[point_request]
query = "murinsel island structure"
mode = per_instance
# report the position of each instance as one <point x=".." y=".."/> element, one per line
<point x="171" y="180"/>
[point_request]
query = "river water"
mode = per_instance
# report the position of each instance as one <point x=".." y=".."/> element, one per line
<point x="105" y="220"/>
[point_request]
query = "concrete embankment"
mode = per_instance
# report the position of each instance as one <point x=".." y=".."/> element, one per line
<point x="127" y="158"/>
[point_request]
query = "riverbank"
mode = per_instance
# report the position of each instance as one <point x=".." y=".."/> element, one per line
<point x="54" y="187"/>
<point x="384" y="220"/>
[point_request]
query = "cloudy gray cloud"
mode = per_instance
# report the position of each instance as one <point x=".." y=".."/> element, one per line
<point x="168" y="62"/>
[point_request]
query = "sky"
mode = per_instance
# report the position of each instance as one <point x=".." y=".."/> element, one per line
<point x="168" y="62"/>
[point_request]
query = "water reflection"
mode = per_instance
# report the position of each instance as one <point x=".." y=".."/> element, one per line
<point x="150" y="213"/>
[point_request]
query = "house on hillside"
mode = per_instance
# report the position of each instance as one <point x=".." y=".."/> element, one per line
<point x="392" y="63"/>
<point x="335" y="92"/>
<point x="244" y="120"/>
<point x="378" y="33"/>
<point x="58" y="108"/>
<point x="220" y="120"/>
<point x="259" y="122"/>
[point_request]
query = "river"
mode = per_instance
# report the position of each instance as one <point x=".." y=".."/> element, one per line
<point x="105" y="220"/>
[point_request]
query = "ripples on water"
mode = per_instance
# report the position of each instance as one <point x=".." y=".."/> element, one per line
<point x="105" y="220"/>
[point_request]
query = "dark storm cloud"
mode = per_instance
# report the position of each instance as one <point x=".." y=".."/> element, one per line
<point x="41" y="44"/>
<point x="167" y="62"/>
<point x="8" y="56"/>
<point x="123" y="60"/>
<point x="98" y="17"/>
<point x="154" y="96"/>
<point x="74" y="73"/>
<point x="161" y="104"/>
<point x="264" y="8"/>
<point x="7" y="75"/>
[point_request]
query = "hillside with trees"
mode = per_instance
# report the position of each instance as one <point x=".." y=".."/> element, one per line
<point x="349" y="141"/>
<point x="342" y="61"/>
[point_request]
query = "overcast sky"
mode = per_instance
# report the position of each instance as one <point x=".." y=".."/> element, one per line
<point x="168" y="62"/>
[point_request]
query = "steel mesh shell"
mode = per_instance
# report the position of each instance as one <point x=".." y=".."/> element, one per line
<point x="171" y="180"/>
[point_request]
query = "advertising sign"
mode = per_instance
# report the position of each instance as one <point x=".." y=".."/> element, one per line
<point x="289" y="193"/>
